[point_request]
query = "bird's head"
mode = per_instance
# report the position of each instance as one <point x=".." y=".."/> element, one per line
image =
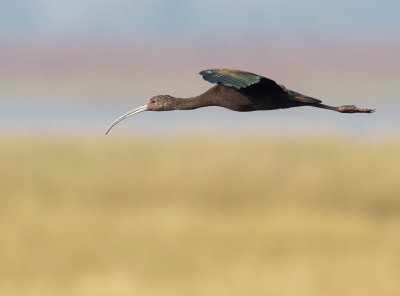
<point x="157" y="103"/>
<point x="160" y="103"/>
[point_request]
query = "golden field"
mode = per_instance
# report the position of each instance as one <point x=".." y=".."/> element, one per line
<point x="205" y="215"/>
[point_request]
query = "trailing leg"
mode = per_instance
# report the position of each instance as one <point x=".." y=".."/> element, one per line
<point x="344" y="109"/>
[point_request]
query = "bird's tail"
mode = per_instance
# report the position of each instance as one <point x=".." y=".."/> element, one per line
<point x="307" y="99"/>
<point x="298" y="97"/>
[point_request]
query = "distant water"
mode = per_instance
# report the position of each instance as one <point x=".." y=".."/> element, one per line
<point x="87" y="117"/>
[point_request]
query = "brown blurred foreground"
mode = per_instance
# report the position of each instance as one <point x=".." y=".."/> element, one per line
<point x="199" y="216"/>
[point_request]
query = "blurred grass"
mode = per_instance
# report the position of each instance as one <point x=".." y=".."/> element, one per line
<point x="199" y="216"/>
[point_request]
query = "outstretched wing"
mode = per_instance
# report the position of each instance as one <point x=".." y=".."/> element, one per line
<point x="248" y="82"/>
<point x="239" y="79"/>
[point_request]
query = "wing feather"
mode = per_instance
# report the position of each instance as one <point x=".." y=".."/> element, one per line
<point x="231" y="78"/>
<point x="249" y="83"/>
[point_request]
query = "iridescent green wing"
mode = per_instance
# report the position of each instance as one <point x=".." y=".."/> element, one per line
<point x="239" y="79"/>
<point x="250" y="83"/>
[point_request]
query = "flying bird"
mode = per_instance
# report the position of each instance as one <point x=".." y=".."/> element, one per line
<point x="238" y="91"/>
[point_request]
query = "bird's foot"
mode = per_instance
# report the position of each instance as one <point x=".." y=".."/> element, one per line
<point x="354" y="109"/>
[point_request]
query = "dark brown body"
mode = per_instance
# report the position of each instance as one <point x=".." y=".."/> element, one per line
<point x="247" y="101"/>
<point x="235" y="100"/>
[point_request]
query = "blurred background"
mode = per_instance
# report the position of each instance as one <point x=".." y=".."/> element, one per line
<point x="205" y="202"/>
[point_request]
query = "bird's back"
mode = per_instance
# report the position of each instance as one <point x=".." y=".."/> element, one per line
<point x="238" y="100"/>
<point x="259" y="93"/>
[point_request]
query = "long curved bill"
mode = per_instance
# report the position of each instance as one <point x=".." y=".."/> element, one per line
<point x="126" y="115"/>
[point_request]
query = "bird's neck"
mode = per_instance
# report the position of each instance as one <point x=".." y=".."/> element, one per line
<point x="192" y="103"/>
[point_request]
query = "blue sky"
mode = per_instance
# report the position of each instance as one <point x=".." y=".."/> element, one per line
<point x="207" y="19"/>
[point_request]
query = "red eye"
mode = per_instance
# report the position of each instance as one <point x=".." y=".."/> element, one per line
<point x="151" y="102"/>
